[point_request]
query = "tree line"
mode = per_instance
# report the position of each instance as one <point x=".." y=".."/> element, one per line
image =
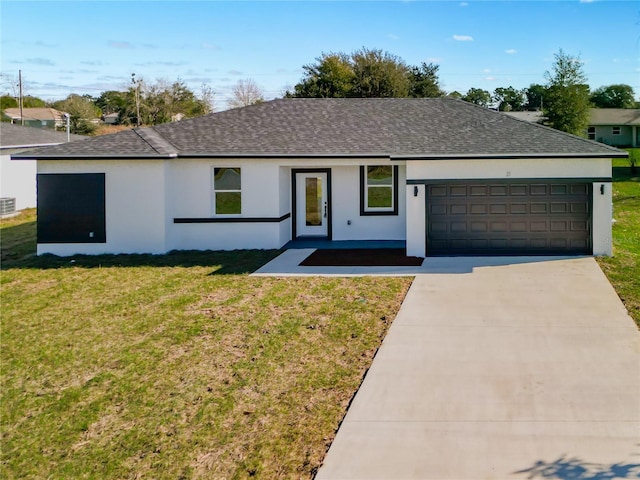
<point x="564" y="99"/>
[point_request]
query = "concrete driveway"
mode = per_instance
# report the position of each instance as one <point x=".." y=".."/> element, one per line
<point x="521" y="371"/>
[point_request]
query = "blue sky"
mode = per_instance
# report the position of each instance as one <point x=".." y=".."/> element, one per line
<point x="92" y="46"/>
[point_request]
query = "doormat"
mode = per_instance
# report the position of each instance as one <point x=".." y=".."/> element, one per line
<point x="361" y="257"/>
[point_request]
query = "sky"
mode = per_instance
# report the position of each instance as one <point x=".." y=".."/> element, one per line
<point x="88" y="47"/>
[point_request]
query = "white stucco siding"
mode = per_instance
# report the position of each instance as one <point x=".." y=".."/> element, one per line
<point x="18" y="180"/>
<point x="345" y="204"/>
<point x="506" y="168"/>
<point x="134" y="197"/>
<point x="602" y="214"/>
<point x="416" y="220"/>
<point x="190" y="194"/>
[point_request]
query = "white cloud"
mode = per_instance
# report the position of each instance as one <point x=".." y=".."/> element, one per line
<point x="463" y="38"/>
<point x="486" y="70"/>
<point x="464" y="4"/>
<point x="434" y="59"/>
<point x="119" y="44"/>
<point x="511" y="51"/>
<point x="210" y="46"/>
<point x="393" y="36"/>
<point x="587" y="1"/>
<point x="490" y="79"/>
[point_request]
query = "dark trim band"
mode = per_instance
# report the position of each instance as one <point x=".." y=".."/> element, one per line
<point x="234" y="219"/>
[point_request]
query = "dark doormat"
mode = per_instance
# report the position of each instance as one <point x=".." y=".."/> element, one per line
<point x="361" y="257"/>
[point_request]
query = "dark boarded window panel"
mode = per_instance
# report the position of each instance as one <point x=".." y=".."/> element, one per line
<point x="71" y="208"/>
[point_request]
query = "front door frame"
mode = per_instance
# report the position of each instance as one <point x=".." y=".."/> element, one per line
<point x="294" y="199"/>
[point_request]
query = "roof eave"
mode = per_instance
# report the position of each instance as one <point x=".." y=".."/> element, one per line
<point x="92" y="157"/>
<point x="510" y="156"/>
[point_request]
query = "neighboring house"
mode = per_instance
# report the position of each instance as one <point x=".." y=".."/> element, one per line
<point x="619" y="127"/>
<point x="445" y="176"/>
<point x="18" y="177"/>
<point x="111" y="118"/>
<point x="36" y="117"/>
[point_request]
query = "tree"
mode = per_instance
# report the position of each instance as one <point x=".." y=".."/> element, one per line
<point x="455" y="94"/>
<point x="81" y="110"/>
<point x="423" y="81"/>
<point x="509" y="99"/>
<point x="366" y="73"/>
<point x="478" y="97"/>
<point x="206" y="99"/>
<point x="7" y="101"/>
<point x="379" y="74"/>
<point x="245" y="93"/>
<point x="33" y="102"/>
<point x="613" y="96"/>
<point x="567" y="101"/>
<point x="330" y="77"/>
<point x="535" y="97"/>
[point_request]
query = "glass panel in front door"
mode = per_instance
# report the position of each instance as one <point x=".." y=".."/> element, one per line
<point x="313" y="201"/>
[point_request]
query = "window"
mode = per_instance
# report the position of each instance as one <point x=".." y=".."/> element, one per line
<point x="227" y="197"/>
<point x="591" y="133"/>
<point x="615" y="130"/>
<point x="379" y="190"/>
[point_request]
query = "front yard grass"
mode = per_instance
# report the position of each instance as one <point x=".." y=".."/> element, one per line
<point x="177" y="366"/>
<point x="623" y="269"/>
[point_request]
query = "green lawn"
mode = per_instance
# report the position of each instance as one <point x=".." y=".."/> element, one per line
<point x="623" y="269"/>
<point x="176" y="366"/>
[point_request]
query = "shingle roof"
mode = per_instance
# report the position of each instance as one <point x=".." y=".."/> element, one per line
<point x="391" y="127"/>
<point x="614" y="116"/>
<point x="17" y="136"/>
<point x="34" y="113"/>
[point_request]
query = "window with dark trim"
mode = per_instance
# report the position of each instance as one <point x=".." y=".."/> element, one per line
<point x="227" y="193"/>
<point x="379" y="190"/>
<point x="591" y="133"/>
<point x="616" y="130"/>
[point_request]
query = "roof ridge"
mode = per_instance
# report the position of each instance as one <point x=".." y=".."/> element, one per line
<point x="156" y="141"/>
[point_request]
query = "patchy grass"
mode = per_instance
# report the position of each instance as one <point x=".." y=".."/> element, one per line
<point x="623" y="269"/>
<point x="177" y="366"/>
<point x="18" y="237"/>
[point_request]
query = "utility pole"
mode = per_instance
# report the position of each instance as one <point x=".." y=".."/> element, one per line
<point x="137" y="94"/>
<point x="20" y="96"/>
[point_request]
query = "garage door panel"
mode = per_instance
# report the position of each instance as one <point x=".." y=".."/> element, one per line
<point x="509" y="218"/>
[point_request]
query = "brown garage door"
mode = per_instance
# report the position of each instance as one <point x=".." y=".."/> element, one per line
<point x="508" y="218"/>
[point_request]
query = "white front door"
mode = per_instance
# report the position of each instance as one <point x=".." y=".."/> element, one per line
<point x="312" y="216"/>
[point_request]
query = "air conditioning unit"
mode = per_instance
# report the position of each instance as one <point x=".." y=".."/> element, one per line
<point x="7" y="206"/>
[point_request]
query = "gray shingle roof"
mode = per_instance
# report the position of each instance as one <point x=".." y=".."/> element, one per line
<point x="393" y="127"/>
<point x="14" y="136"/>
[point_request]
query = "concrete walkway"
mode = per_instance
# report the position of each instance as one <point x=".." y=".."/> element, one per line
<point x="514" y="371"/>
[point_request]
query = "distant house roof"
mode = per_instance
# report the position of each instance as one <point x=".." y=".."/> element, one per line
<point x="399" y="128"/>
<point x="534" y="117"/>
<point x="16" y="136"/>
<point x="614" y="116"/>
<point x="35" y="114"/>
